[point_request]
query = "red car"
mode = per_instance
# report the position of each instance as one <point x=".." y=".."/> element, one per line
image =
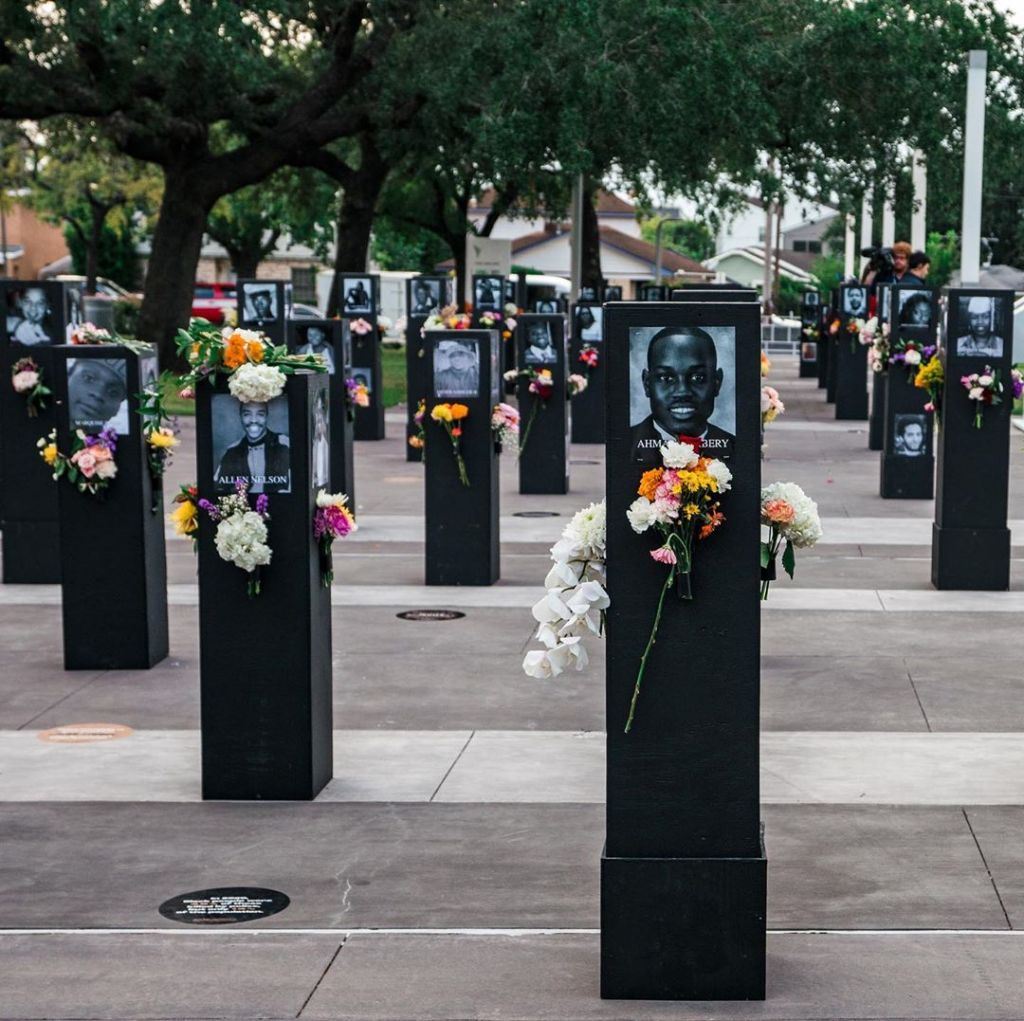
<point x="211" y="301"/>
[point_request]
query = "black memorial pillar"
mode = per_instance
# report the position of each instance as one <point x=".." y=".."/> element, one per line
<point x="462" y="520"/>
<point x="587" y="331"/>
<point x="265" y="660"/>
<point x="809" y="307"/>
<point x="111" y="542"/>
<point x="544" y="448"/>
<point x="908" y="457"/>
<point x="330" y="339"/>
<point x="824" y="319"/>
<point x="851" y="356"/>
<point x="34" y="316"/>
<point x="878" y="376"/>
<point x="683" y="876"/>
<point x="970" y="540"/>
<point x="359" y="305"/>
<point x="265" y="305"/>
<point x="416" y="375"/>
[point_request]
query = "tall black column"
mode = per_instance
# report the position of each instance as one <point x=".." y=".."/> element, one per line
<point x="265" y="661"/>
<point x="111" y="543"/>
<point x="462" y="521"/>
<point x="587" y="330"/>
<point x="876" y="415"/>
<point x="683" y="872"/>
<point x="851" y="391"/>
<point x="970" y="540"/>
<point x="808" y="342"/>
<point x="265" y="305"/>
<point x="544" y="459"/>
<point x="367" y="369"/>
<point x="908" y="457"/>
<point x="824" y="318"/>
<point x="34" y="316"/>
<point x="330" y="339"/>
<point x="416" y="377"/>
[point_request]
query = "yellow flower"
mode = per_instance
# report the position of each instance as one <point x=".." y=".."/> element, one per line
<point x="441" y="413"/>
<point x="691" y="510"/>
<point x="49" y="454"/>
<point x="162" y="438"/>
<point x="254" y="349"/>
<point x="185" y="517"/>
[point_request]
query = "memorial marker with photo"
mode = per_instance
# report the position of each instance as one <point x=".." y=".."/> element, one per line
<point x="98" y="394"/>
<point x="682" y="384"/>
<point x="540" y="346"/>
<point x="915" y="308"/>
<point x="978" y="330"/>
<point x="260" y="303"/>
<point x="321" y="446"/>
<point x="250" y="444"/>
<point x="850" y="357"/>
<point x="265" y="306"/>
<point x="31" y="316"/>
<point x="855" y="301"/>
<point x="587" y="417"/>
<point x="315" y="339"/>
<point x="912" y="434"/>
<point x="358" y="295"/>
<point x="589" y="323"/>
<point x="426" y="295"/>
<point x="456" y="368"/>
<point x="488" y="293"/>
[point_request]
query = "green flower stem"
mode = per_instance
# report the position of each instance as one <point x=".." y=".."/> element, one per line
<point x="650" y="643"/>
<point x="529" y="425"/>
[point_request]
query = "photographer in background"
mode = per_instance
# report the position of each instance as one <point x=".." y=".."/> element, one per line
<point x="899" y="265"/>
<point x="919" y="264"/>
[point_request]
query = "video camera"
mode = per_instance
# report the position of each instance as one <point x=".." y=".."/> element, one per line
<point x="879" y="259"/>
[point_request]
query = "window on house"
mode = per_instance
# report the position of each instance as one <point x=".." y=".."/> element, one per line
<point x="799" y="246"/>
<point x="814" y="246"/>
<point x="760" y="234"/>
<point x="304" y="284"/>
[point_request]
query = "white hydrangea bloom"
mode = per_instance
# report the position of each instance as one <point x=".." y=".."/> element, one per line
<point x="805" y="528"/>
<point x="241" y="539"/>
<point x="256" y="384"/>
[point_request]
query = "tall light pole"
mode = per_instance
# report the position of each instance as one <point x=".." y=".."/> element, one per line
<point x="657" y="244"/>
<point x="974" y="160"/>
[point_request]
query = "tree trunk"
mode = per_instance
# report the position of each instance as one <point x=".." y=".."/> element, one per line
<point x="590" y="239"/>
<point x="92" y="249"/>
<point x="245" y="262"/>
<point x="356" y="214"/>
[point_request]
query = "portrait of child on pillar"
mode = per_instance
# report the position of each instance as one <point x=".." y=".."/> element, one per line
<point x="540" y="346"/>
<point x="250" y="444"/>
<point x="98" y="394"/>
<point x="682" y="388"/>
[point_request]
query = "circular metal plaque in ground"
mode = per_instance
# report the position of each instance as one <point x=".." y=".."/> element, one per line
<point x="84" y="733"/>
<point x="430" y="615"/>
<point x="225" y="905"/>
<point x="574" y="461"/>
<point x="536" y="514"/>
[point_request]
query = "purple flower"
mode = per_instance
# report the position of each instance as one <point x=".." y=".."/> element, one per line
<point x="262" y="501"/>
<point x="210" y="508"/>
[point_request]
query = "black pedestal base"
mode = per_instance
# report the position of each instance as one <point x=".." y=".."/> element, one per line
<point x="683" y="928"/>
<point x="31" y="552"/>
<point x="907" y="478"/>
<point x="975" y="559"/>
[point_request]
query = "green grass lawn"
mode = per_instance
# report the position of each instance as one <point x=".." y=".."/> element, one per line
<point x="392" y="365"/>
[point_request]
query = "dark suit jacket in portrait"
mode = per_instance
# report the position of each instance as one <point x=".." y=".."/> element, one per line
<point x="234" y="465"/>
<point x="646" y="441"/>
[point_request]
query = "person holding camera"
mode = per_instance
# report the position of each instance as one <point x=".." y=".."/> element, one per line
<point x="898" y="264"/>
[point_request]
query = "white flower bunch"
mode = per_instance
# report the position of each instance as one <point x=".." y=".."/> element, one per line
<point x="249" y="336"/>
<point x="868" y="331"/>
<point x="25" y="380"/>
<point x="803" y="527"/>
<point x="678" y="455"/>
<point x="256" y="384"/>
<point x="576" y="598"/>
<point x="241" y="539"/>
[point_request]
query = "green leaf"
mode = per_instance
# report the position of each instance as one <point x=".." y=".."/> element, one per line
<point x="789" y="559"/>
<point x="766" y="554"/>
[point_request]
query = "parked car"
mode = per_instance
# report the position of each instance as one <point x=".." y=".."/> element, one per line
<point x="210" y="301"/>
<point x="105" y="287"/>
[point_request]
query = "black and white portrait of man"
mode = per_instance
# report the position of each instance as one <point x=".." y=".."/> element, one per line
<point x="425" y="297"/>
<point x="855" y="301"/>
<point x="250" y="443"/>
<point x="260" y="302"/>
<point x="488" y="292"/>
<point x="98" y="394"/>
<point x="613" y="293"/>
<point x="540" y="347"/>
<point x="979" y="327"/>
<point x="31" y="320"/>
<point x="652" y="292"/>
<point x="811" y="299"/>
<point x="546" y="306"/>
<point x="911" y="439"/>
<point x="589" y="323"/>
<point x="315" y="339"/>
<point x="456" y="368"/>
<point x="358" y="292"/>
<point x="588" y="294"/>
<point x="915" y="307"/>
<point x="320" y="430"/>
<point x="364" y="377"/>
<point x="682" y="384"/>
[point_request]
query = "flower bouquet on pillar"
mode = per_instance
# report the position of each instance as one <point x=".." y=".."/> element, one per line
<point x="449" y="417"/>
<point x="681" y="500"/>
<point x="332" y="520"/>
<point x="791" y="517"/>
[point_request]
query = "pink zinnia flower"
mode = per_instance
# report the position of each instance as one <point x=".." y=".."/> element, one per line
<point x="664" y="555"/>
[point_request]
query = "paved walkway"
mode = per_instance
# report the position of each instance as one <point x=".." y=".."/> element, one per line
<point x="450" y="870"/>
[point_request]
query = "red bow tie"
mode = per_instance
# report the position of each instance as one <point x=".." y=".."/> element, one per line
<point x="692" y="441"/>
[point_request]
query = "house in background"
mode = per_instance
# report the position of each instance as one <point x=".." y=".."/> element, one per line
<point x="746" y="265"/>
<point x="804" y="225"/>
<point x="32" y="244"/>
<point x="626" y="258"/>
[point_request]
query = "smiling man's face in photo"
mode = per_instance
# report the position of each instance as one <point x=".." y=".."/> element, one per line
<point x="682" y="380"/>
<point x="254" y="421"/>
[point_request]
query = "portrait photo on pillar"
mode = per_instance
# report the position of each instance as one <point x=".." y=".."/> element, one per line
<point x="540" y="345"/>
<point x="589" y="323"/>
<point x="808" y="351"/>
<point x="912" y="435"/>
<point x="250" y="444"/>
<point x="363" y="377"/>
<point x="613" y="293"/>
<point x="259" y="302"/>
<point x="98" y="394"/>
<point x="855" y="301"/>
<point x="424" y="295"/>
<point x="682" y="383"/>
<point x="981" y="324"/>
<point x="915" y="309"/>
<point x="546" y="306"/>
<point x="357" y="297"/>
<point x="321" y="446"/>
<point x="30" y="316"/>
<point x="456" y="368"/>
<point x="488" y="292"/>
<point x="588" y="294"/>
<point x="314" y="338"/>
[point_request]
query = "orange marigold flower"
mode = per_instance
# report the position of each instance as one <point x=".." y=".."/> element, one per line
<point x="650" y="482"/>
<point x="234" y="351"/>
<point x="254" y="349"/>
<point x="459" y="411"/>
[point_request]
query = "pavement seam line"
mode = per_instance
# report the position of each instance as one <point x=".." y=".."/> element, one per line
<point x="95" y="677"/>
<point x="984" y="861"/>
<point x="323" y="975"/>
<point x="455" y="762"/>
<point x="920" y="704"/>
